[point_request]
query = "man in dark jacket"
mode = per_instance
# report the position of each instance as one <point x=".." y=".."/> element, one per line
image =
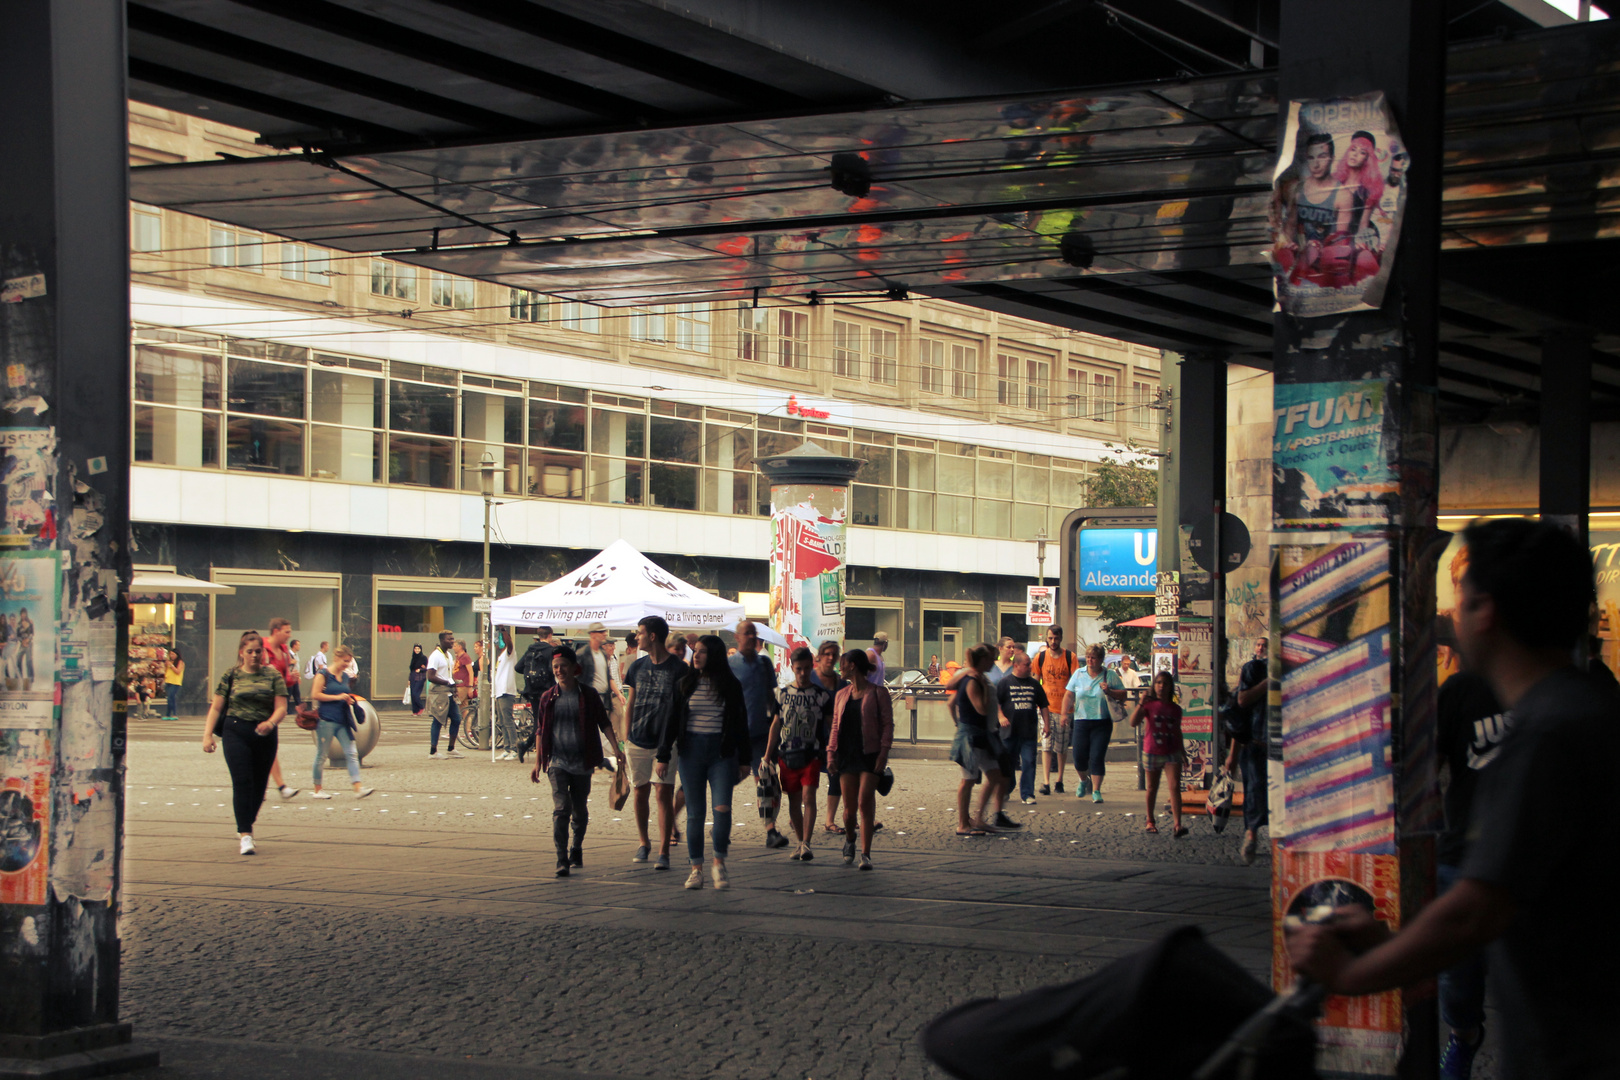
<point x="1249" y="755"/>
<point x="534" y="669"/>
<point x="568" y="750"/>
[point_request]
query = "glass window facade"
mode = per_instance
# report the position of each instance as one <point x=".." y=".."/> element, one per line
<point x="248" y="406"/>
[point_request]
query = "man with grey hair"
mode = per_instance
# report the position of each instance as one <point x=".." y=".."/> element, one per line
<point x="880" y="645"/>
<point x="758" y="677"/>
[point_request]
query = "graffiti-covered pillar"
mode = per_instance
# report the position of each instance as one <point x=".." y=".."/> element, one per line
<point x="64" y="537"/>
<point x="809" y="520"/>
<point x="1356" y="244"/>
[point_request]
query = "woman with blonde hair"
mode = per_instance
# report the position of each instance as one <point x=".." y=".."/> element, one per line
<point x="250" y="702"/>
<point x="335" y="691"/>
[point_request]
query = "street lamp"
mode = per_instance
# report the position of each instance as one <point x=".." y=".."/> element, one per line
<point x="1040" y="556"/>
<point x="486" y="703"/>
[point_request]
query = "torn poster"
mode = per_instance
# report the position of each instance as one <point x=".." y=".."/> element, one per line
<point x="84" y="849"/>
<point x="28" y="471"/>
<point x="25" y="786"/>
<point x="30" y="607"/>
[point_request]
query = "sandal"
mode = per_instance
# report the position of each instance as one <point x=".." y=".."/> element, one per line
<point x="836" y="830"/>
<point x="1180" y="832"/>
<point x="1152" y="828"/>
<point x="970" y="832"/>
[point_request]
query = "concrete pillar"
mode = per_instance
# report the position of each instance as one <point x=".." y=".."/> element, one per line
<point x="1200" y="441"/>
<point x="1354" y="500"/>
<point x="64" y="338"/>
<point x="809" y="520"/>
<point x="1566" y="431"/>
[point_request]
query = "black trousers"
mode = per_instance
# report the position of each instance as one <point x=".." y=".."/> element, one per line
<point x="248" y="755"/>
<point x="568" y="794"/>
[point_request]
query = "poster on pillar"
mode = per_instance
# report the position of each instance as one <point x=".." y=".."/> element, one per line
<point x="1338" y="195"/>
<point x="25" y="813"/>
<point x="808" y="523"/>
<point x="1334" y="455"/>
<point x="30" y="592"/>
<point x="1337" y="701"/>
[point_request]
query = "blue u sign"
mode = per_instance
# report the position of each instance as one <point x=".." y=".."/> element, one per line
<point x="1118" y="562"/>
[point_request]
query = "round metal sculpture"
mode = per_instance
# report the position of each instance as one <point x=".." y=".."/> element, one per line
<point x="365" y="736"/>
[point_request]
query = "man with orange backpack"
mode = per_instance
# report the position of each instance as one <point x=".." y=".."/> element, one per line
<point x="1053" y="666"/>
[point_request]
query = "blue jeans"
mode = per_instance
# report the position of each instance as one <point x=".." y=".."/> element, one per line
<point x="325" y="732"/>
<point x="1252" y="764"/>
<point x="453" y="716"/>
<point x="1023" y="752"/>
<point x="1091" y="746"/>
<point x="703" y="770"/>
<point x="173" y="694"/>
<point x="1462" y="986"/>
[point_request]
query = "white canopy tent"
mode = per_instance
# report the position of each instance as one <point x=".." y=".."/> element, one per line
<point x="619" y="587"/>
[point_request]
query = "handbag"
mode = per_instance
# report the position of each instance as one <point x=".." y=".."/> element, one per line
<point x="619" y="789"/>
<point x="306" y="717"/>
<point x="768" y="791"/>
<point x="1220" y="798"/>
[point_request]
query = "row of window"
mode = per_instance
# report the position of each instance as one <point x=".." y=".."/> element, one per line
<point x="267" y="408"/>
<point x="778" y="336"/>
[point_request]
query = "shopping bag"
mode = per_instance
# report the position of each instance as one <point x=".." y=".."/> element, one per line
<point x="619" y="790"/>
<point x="1220" y="799"/>
<point x="768" y="792"/>
<point x="406" y="700"/>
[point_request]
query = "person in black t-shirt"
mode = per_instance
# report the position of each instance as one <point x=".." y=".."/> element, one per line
<point x="1535" y="882"/>
<point x="1248" y="756"/>
<point x="1471" y="728"/>
<point x="1022" y="701"/>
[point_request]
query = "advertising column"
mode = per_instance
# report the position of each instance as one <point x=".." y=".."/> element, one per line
<point x="809" y="520"/>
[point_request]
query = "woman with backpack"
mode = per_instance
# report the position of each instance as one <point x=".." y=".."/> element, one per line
<point x="709" y="734"/>
<point x="1161" y="747"/>
<point x="250" y="703"/>
<point x="335" y="692"/>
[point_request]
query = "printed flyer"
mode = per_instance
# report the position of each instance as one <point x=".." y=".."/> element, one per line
<point x="30" y="595"/>
<point x="1333" y="455"/>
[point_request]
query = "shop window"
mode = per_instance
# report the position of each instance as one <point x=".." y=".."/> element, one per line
<point x="265" y="389"/>
<point x="871" y="506"/>
<point x="948" y="634"/>
<point x="178" y="437"/>
<point x="310" y="601"/>
<point x="727" y="491"/>
<point x="177" y="377"/>
<point x="914" y="510"/>
<point x="256" y="444"/>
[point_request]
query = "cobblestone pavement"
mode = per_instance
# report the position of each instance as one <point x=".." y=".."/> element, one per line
<point x="425" y="920"/>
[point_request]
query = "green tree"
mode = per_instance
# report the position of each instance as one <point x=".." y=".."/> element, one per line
<point x="1130" y="477"/>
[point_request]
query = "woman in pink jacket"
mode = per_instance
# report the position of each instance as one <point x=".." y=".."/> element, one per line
<point x="858" y="748"/>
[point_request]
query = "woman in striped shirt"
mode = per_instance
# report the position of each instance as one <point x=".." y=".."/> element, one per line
<point x="710" y="735"/>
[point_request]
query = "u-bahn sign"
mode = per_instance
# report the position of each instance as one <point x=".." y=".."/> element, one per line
<point x="1117" y="561"/>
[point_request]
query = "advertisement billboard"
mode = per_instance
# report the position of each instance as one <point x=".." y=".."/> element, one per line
<point x="1118" y="562"/>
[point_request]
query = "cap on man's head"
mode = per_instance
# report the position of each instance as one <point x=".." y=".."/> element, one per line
<point x="880" y="636"/>
<point x="596" y="628"/>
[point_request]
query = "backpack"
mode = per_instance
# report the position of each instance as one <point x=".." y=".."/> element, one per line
<point x="535" y="667"/>
<point x="1068" y="657"/>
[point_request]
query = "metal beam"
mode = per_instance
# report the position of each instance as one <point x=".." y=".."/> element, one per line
<point x="345" y="22"/>
<point x="599" y="41"/>
<point x="239" y="49"/>
<point x="267" y="104"/>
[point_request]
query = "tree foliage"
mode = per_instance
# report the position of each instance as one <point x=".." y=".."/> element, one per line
<point x="1129" y="477"/>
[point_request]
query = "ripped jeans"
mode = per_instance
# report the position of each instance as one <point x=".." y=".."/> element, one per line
<point x="325" y="732"/>
<point x="703" y="770"/>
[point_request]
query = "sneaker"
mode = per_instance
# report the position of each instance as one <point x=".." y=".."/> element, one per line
<point x="576" y="856"/>
<point x="438" y="755"/>
<point x="774" y="839"/>
<point x="661" y="863"/>
<point x="849" y="852"/>
<point x="1096" y="796"/>
<point x="1246" y="853"/>
<point x="320" y="794"/>
<point x="288" y="792"/>
<point x="1457" y="1060"/>
<point x="866" y="862"/>
<point x="1045" y="789"/>
<point x="1057" y="787"/>
<point x="1084" y="789"/>
<point x="453" y="753"/>
<point x="562" y="869"/>
<point x="1029" y="802"/>
<point x="247" y="846"/>
<point x="721" y="881"/>
<point x="363" y="792"/>
<point x="641" y="854"/>
<point x="1005" y="822"/>
<point x="694" y="880"/>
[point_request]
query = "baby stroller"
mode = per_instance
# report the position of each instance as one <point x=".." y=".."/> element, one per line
<point x="1117" y="1024"/>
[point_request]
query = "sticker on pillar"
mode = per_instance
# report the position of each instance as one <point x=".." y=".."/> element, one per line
<point x="29" y="473"/>
<point x="30" y="587"/>
<point x="1338" y="195"/>
<point x="807" y="563"/>
<point x="25" y="792"/>
<point x="1333" y="455"/>
<point x="1356" y="1036"/>
<point x="1040" y="605"/>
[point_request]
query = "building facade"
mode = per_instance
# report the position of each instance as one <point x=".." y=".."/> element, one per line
<point x="307" y="426"/>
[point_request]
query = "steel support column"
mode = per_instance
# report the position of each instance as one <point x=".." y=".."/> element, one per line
<point x="1376" y="831"/>
<point x="64" y="346"/>
<point x="1200" y="446"/>
<point x="1566" y="431"/>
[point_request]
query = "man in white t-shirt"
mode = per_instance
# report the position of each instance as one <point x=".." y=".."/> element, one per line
<point x="504" y="688"/>
<point x="441" y="700"/>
